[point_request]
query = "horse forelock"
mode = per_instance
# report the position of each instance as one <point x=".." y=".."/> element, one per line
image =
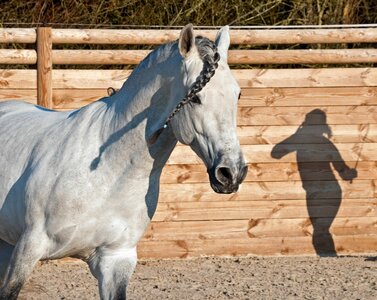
<point x="207" y="49"/>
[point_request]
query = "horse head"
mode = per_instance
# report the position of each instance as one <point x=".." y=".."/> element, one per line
<point x="208" y="123"/>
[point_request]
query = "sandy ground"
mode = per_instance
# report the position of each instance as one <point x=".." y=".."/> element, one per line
<point x="219" y="278"/>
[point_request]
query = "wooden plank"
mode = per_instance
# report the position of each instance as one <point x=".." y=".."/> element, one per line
<point x="76" y="98"/>
<point x="237" y="36"/>
<point x="246" y="210"/>
<point x="295" y="115"/>
<point x="270" y="172"/>
<point x="18" y="79"/>
<point x="18" y="35"/>
<point x="119" y="36"/>
<point x="310" y="134"/>
<point x="316" y="56"/>
<point x="255" y="78"/>
<point x="18" y="56"/>
<point x="299" y="36"/>
<point x="89" y="79"/>
<point x="309" y="96"/>
<point x="310" y="56"/>
<point x="24" y="95"/>
<point x="258" y="228"/>
<point x="98" y="57"/>
<point x="274" y="190"/>
<point x="44" y="67"/>
<point x="251" y="98"/>
<point x="321" y="77"/>
<point x="345" y="245"/>
<point x="308" y="153"/>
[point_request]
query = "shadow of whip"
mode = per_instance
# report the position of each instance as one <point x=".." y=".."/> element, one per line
<point x="361" y="148"/>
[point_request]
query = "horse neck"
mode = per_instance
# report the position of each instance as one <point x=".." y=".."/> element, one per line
<point x="136" y="111"/>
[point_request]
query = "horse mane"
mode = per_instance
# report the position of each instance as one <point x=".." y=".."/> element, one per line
<point x="207" y="52"/>
<point x="206" y="48"/>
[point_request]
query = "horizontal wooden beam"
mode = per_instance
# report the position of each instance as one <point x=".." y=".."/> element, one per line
<point x="98" y="57"/>
<point x="18" y="56"/>
<point x="247" y="78"/>
<point x="310" y="56"/>
<point x="287" y="153"/>
<point x="326" y="56"/>
<point x="237" y="36"/>
<point x="267" y="191"/>
<point x="253" y="98"/>
<point x="257" y="228"/>
<point x="181" y="248"/>
<point x="295" y="115"/>
<point x="18" y="35"/>
<point x="263" y="172"/>
<point x="160" y="36"/>
<point x="246" y="210"/>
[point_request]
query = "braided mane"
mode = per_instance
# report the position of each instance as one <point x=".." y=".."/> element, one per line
<point x="210" y="57"/>
<point x="208" y="54"/>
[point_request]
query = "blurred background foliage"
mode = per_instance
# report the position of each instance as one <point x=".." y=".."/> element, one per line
<point x="179" y="12"/>
<point x="146" y="13"/>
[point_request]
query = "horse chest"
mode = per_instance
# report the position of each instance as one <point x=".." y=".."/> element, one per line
<point x="106" y="228"/>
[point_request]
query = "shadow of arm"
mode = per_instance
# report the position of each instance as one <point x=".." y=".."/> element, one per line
<point x="344" y="171"/>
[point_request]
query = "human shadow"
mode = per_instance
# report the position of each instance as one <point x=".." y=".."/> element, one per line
<point x="315" y="155"/>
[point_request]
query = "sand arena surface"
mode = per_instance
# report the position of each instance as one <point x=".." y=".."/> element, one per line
<point x="218" y="278"/>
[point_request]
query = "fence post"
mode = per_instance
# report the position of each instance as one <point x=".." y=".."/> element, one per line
<point x="44" y="67"/>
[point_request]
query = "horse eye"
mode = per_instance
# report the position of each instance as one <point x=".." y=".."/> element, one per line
<point x="196" y="99"/>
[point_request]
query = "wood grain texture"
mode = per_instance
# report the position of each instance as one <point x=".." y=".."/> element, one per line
<point x="237" y="36"/>
<point x="44" y="67"/>
<point x="260" y="172"/>
<point x="295" y="115"/>
<point x="312" y="56"/>
<point x="248" y="78"/>
<point x="18" y="35"/>
<point x="308" y="153"/>
<point x="326" y="56"/>
<point x="18" y="56"/>
<point x="180" y="248"/>
<point x="309" y="96"/>
<point x="27" y="95"/>
<point x="248" y="209"/>
<point x="257" y="228"/>
<point x="251" y="98"/>
<point x="274" y="190"/>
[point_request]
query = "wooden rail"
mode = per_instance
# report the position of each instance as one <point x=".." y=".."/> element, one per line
<point x="133" y="57"/>
<point x="153" y="36"/>
<point x="282" y="200"/>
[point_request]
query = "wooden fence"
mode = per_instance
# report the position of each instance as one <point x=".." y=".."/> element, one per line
<point x="298" y="187"/>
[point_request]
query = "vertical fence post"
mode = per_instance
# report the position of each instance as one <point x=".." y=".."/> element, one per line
<point x="44" y="67"/>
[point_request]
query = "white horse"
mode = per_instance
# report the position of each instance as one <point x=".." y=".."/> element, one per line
<point x="85" y="183"/>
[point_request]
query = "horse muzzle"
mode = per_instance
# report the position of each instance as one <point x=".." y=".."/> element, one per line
<point x="225" y="179"/>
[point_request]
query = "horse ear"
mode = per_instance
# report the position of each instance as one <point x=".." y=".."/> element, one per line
<point x="222" y="42"/>
<point x="186" y="40"/>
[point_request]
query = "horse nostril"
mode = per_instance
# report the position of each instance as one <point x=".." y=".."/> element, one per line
<point x="224" y="175"/>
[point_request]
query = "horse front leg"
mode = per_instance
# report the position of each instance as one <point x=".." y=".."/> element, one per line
<point x="113" y="269"/>
<point x="29" y="249"/>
